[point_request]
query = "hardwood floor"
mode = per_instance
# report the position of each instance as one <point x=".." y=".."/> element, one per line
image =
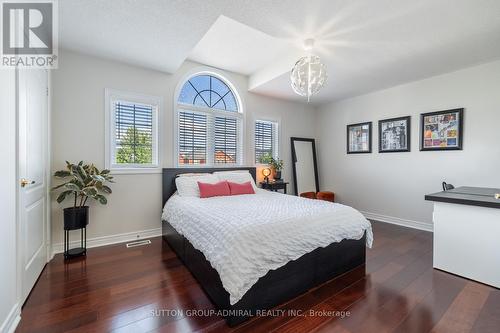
<point x="125" y="290"/>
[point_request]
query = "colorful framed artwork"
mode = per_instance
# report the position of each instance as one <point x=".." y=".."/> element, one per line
<point x="359" y="138"/>
<point x="394" y="135"/>
<point x="442" y="130"/>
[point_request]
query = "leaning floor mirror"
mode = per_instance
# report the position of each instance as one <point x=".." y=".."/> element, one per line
<point x="305" y="169"/>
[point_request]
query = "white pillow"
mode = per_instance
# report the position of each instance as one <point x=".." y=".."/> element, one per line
<point x="187" y="186"/>
<point x="236" y="176"/>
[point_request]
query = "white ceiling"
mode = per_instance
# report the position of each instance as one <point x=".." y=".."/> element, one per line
<point x="367" y="45"/>
<point x="237" y="47"/>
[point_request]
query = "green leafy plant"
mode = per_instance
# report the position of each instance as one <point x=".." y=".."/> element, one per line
<point x="276" y="164"/>
<point x="85" y="181"/>
<point x="135" y="147"/>
<point x="265" y="158"/>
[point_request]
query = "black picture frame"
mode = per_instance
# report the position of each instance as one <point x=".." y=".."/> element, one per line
<point x="407" y="134"/>
<point x="369" y="123"/>
<point x="459" y="128"/>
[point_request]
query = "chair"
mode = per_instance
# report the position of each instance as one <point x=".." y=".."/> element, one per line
<point x="309" y="195"/>
<point x="325" y="195"/>
<point x="447" y="187"/>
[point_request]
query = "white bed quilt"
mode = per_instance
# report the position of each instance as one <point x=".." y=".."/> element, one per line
<point x="245" y="236"/>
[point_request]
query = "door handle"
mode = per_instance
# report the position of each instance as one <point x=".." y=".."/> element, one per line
<point x="25" y="182"/>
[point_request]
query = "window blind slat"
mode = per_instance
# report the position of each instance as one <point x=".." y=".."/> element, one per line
<point x="226" y="145"/>
<point x="133" y="133"/>
<point x="192" y="138"/>
<point x="265" y="139"/>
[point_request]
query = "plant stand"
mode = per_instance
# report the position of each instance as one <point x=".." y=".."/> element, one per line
<point x="75" y="218"/>
<point x="77" y="251"/>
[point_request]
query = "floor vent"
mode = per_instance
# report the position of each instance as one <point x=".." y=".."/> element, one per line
<point x="139" y="243"/>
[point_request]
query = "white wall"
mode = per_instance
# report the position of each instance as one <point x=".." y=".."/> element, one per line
<point x="394" y="184"/>
<point x="9" y="310"/>
<point x="78" y="134"/>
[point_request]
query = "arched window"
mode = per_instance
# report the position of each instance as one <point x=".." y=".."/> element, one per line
<point x="209" y="123"/>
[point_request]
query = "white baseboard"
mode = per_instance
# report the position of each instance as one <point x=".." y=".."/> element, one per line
<point x="108" y="240"/>
<point x="402" y="222"/>
<point x="10" y="323"/>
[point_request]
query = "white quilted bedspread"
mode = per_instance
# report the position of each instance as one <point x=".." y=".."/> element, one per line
<point x="245" y="236"/>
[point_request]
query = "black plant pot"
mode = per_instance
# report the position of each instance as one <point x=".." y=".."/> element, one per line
<point x="277" y="175"/>
<point x="76" y="217"/>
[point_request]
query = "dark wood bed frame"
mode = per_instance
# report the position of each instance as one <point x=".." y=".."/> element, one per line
<point x="277" y="286"/>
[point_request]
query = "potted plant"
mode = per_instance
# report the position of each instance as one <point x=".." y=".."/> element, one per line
<point x="276" y="164"/>
<point x="85" y="181"/>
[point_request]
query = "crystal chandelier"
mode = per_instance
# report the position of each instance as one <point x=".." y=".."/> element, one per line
<point x="309" y="74"/>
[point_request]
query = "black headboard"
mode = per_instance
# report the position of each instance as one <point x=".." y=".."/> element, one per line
<point x="169" y="175"/>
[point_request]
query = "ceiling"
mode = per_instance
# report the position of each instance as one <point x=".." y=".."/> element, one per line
<point x="367" y="45"/>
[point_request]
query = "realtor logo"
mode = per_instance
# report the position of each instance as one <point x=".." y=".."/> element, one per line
<point x="29" y="33"/>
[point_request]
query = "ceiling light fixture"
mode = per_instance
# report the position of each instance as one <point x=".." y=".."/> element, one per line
<point x="309" y="74"/>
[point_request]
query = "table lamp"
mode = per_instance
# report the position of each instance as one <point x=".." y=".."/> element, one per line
<point x="266" y="172"/>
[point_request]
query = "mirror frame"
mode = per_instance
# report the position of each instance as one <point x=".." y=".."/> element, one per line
<point x="294" y="159"/>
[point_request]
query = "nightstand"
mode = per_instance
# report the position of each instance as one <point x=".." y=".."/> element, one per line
<point x="274" y="186"/>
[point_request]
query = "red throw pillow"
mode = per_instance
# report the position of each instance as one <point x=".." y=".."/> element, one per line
<point x="237" y="189"/>
<point x="214" y="190"/>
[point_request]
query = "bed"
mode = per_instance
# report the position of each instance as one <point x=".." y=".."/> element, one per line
<point x="246" y="261"/>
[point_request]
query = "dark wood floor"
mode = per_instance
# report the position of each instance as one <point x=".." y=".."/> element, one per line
<point x="124" y="290"/>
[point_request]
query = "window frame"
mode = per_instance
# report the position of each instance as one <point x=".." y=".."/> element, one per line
<point x="212" y="113"/>
<point x="277" y="138"/>
<point x="112" y="96"/>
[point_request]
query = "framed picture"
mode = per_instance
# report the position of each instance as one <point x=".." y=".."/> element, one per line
<point x="394" y="135"/>
<point x="359" y="138"/>
<point x="442" y="130"/>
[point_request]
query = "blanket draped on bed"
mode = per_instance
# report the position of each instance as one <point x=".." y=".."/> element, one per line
<point x="245" y="236"/>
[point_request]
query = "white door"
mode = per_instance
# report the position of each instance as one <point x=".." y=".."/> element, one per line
<point x="32" y="149"/>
